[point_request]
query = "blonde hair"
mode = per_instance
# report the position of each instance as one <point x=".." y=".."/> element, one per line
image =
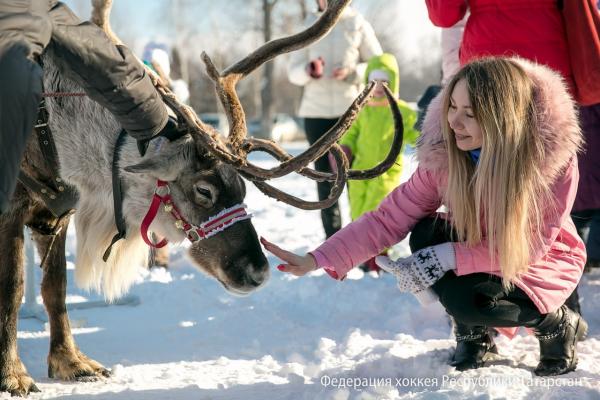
<point x="505" y="189"/>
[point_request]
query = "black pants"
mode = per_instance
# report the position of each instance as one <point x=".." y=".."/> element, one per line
<point x="587" y="223"/>
<point x="476" y="299"/>
<point x="20" y="93"/>
<point x="315" y="128"/>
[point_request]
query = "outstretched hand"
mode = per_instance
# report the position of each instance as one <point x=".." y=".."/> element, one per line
<point x="294" y="264"/>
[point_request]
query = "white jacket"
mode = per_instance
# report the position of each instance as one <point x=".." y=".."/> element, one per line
<point x="451" y="40"/>
<point x="349" y="44"/>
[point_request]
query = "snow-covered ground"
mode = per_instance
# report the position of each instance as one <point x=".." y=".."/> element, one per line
<point x="308" y="338"/>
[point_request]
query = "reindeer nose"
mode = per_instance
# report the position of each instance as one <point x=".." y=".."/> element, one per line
<point x="258" y="272"/>
<point x="257" y="278"/>
<point x="255" y="271"/>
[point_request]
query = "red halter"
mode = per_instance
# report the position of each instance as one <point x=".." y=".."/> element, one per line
<point x="214" y="225"/>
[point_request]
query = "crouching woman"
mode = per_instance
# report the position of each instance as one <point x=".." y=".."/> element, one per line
<point x="498" y="149"/>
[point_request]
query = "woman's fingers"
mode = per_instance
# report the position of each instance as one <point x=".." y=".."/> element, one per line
<point x="285" y="255"/>
<point x="296" y="270"/>
<point x="272" y="247"/>
<point x="294" y="264"/>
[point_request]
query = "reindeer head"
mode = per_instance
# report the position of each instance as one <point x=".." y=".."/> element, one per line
<point x="204" y="171"/>
<point x="200" y="187"/>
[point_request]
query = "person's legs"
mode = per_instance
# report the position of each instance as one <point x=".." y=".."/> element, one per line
<point x="478" y="301"/>
<point x="20" y="94"/>
<point x="587" y="201"/>
<point x="582" y="221"/>
<point x="474" y="344"/>
<point x="593" y="240"/>
<point x="25" y="30"/>
<point x="573" y="301"/>
<point x="587" y="223"/>
<point x="331" y="217"/>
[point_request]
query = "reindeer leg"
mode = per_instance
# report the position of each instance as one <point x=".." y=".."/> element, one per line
<point x="161" y="256"/>
<point x="65" y="360"/>
<point x="13" y="375"/>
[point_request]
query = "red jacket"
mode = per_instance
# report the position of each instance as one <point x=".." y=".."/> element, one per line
<point x="532" y="29"/>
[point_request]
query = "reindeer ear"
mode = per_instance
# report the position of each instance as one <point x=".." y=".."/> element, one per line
<point x="157" y="168"/>
<point x="165" y="165"/>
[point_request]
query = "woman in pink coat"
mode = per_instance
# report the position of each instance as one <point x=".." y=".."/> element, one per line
<point x="536" y="30"/>
<point x="498" y="149"/>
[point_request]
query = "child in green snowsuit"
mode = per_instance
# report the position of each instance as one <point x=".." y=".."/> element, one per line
<point x="370" y="137"/>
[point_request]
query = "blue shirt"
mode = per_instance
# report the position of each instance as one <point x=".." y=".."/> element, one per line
<point x="474" y="154"/>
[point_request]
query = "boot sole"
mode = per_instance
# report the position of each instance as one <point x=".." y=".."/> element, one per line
<point x="490" y="355"/>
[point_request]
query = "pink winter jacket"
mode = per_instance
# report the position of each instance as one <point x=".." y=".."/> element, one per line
<point x="556" y="266"/>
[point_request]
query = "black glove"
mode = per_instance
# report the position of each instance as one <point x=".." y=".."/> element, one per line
<point x="171" y="131"/>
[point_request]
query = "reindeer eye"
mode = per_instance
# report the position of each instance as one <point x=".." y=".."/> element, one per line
<point x="204" y="192"/>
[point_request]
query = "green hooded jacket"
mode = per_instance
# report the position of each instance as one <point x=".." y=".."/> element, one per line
<point x="370" y="138"/>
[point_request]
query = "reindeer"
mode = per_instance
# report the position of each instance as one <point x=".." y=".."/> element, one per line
<point x="192" y="178"/>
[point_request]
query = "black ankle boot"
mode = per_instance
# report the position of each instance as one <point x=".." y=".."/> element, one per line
<point x="474" y="346"/>
<point x="558" y="333"/>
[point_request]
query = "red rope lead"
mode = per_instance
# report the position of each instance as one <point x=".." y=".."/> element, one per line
<point x="63" y="94"/>
<point x="154" y="206"/>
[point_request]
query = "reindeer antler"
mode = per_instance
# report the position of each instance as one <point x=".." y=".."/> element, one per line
<point x="225" y="83"/>
<point x="240" y="146"/>
<point x="100" y="16"/>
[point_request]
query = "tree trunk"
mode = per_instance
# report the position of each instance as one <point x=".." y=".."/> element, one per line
<point x="303" y="10"/>
<point x="266" y="90"/>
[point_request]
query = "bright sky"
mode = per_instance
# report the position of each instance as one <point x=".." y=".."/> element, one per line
<point x="142" y="20"/>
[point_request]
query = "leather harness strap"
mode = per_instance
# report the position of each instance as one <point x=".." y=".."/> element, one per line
<point x="59" y="197"/>
<point x="117" y="195"/>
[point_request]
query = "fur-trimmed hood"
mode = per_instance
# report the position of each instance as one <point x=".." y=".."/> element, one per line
<point x="557" y="124"/>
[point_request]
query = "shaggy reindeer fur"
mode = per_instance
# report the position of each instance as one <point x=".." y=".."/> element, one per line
<point x="86" y="162"/>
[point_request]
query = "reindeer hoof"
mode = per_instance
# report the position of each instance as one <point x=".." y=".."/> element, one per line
<point x="34" y="389"/>
<point x="86" y="377"/>
<point x="75" y="366"/>
<point x="19" y="385"/>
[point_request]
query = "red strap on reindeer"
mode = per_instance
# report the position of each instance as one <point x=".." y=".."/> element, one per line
<point x="214" y="225"/>
<point x="150" y="215"/>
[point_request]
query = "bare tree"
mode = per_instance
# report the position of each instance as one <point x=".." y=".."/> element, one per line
<point x="266" y="91"/>
<point x="303" y="9"/>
